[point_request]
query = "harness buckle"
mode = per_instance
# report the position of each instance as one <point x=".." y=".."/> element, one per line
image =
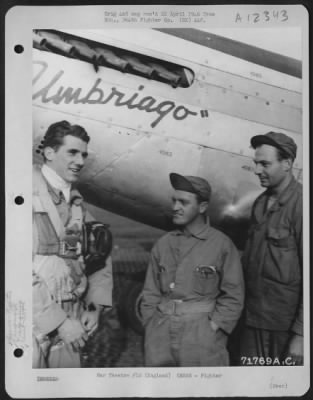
<point x="67" y="250"/>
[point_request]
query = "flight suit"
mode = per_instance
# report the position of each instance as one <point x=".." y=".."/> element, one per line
<point x="191" y="281"/>
<point x="272" y="263"/>
<point x="60" y="288"/>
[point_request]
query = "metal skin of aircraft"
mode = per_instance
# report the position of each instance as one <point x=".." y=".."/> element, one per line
<point x="162" y="101"/>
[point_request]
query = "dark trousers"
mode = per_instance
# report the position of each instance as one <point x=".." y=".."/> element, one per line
<point x="263" y="347"/>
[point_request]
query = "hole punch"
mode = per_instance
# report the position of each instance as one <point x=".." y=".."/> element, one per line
<point x="18" y="49"/>
<point x="19" y="200"/>
<point x="18" y="353"/>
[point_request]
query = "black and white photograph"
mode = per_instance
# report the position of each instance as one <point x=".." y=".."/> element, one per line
<point x="162" y="180"/>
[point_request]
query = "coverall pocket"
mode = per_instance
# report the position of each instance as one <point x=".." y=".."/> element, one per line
<point x="163" y="278"/>
<point x="205" y="279"/>
<point x="213" y="350"/>
<point x="281" y="262"/>
<point x="219" y="334"/>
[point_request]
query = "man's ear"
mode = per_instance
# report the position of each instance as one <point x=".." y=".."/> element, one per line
<point x="49" y="153"/>
<point x="287" y="164"/>
<point x="203" y="207"/>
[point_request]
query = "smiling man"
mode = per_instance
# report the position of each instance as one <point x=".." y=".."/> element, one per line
<point x="272" y="260"/>
<point x="66" y="304"/>
<point x="193" y="292"/>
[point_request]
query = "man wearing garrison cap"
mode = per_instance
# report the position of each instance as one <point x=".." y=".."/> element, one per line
<point x="272" y="260"/>
<point x="193" y="293"/>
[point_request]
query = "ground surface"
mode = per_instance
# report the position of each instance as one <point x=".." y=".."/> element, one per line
<point x="132" y="356"/>
<point x="132" y="243"/>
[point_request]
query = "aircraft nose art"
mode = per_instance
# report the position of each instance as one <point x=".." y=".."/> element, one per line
<point x="150" y="110"/>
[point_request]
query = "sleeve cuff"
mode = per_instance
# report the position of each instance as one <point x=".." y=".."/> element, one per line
<point x="297" y="328"/>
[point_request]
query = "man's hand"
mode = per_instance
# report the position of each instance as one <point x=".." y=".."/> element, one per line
<point x="214" y="326"/>
<point x="295" y="349"/>
<point x="89" y="320"/>
<point x="72" y="332"/>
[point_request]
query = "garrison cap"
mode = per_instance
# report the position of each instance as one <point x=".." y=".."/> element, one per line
<point x="278" y="140"/>
<point x="192" y="184"/>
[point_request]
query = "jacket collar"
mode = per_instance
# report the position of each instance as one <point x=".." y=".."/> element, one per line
<point x="285" y="194"/>
<point x="56" y="186"/>
<point x="56" y="182"/>
<point x="282" y="199"/>
<point x="288" y="192"/>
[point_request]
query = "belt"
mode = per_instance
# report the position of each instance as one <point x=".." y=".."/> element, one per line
<point x="179" y="307"/>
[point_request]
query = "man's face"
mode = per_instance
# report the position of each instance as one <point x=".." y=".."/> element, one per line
<point x="68" y="159"/>
<point x="186" y="208"/>
<point x="268" y="168"/>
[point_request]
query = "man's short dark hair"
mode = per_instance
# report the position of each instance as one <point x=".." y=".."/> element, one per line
<point x="56" y="133"/>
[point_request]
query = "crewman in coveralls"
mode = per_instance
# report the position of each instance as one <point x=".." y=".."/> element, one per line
<point x="194" y="292"/>
<point x="272" y="260"/>
<point x="66" y="304"/>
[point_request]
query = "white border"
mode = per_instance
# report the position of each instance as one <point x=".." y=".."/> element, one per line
<point x="21" y="380"/>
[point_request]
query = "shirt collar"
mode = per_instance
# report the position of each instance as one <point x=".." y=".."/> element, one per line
<point x="56" y="181"/>
<point x="203" y="234"/>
